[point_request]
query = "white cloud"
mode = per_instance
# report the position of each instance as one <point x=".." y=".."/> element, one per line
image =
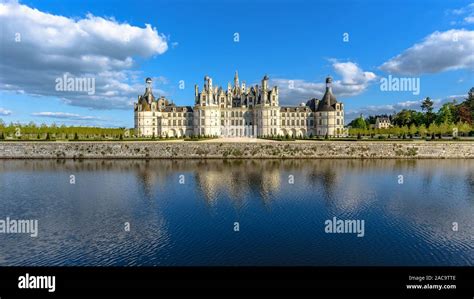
<point x="65" y="115"/>
<point x="38" y="47"/>
<point x="353" y="81"/>
<point x="352" y="74"/>
<point x="467" y="12"/>
<point x="469" y="19"/>
<point x="463" y="10"/>
<point x="440" y="51"/>
<point x="5" y="112"/>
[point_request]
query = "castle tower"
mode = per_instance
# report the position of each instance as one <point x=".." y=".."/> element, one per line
<point x="329" y="116"/>
<point x="206" y="83"/>
<point x="329" y="85"/>
<point x="148" y="91"/>
<point x="148" y="82"/>
<point x="265" y="83"/>
<point x="236" y="79"/>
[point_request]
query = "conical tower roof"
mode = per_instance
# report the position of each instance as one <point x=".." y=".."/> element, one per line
<point x="328" y="100"/>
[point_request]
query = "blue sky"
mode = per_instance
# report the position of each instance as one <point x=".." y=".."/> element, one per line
<point x="297" y="43"/>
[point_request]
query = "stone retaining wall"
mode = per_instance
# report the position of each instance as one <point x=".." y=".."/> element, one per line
<point x="196" y="150"/>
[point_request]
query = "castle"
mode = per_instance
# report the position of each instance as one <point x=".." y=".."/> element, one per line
<point x="238" y="111"/>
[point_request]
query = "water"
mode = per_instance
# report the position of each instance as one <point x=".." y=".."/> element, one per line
<point x="280" y="223"/>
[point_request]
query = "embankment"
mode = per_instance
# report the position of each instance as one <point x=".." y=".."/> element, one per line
<point x="198" y="150"/>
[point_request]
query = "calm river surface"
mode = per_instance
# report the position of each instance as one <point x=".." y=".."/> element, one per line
<point x="184" y="212"/>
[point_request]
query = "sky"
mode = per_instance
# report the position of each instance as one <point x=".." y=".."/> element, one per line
<point x="117" y="44"/>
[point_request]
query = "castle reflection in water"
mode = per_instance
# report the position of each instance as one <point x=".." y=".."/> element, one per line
<point x="237" y="179"/>
<point x="182" y="211"/>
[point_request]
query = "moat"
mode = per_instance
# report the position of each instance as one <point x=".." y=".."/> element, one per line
<point x="183" y="212"/>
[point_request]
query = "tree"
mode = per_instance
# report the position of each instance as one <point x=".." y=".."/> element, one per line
<point x="465" y="110"/>
<point x="359" y="123"/>
<point x="445" y="128"/>
<point x="413" y="129"/>
<point x="433" y="129"/>
<point x="404" y="131"/>
<point x="404" y="117"/>
<point x="422" y="130"/>
<point x="464" y="113"/>
<point x="427" y="105"/>
<point x="464" y="128"/>
<point x="445" y="114"/>
<point x="396" y="130"/>
<point x="371" y="120"/>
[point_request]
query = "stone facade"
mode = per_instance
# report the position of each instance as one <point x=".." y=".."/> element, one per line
<point x="238" y="111"/>
<point x="382" y="123"/>
<point x="158" y="117"/>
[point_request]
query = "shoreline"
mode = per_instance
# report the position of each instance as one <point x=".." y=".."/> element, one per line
<point x="234" y="150"/>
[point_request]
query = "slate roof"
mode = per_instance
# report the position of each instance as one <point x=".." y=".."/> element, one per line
<point x="328" y="101"/>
